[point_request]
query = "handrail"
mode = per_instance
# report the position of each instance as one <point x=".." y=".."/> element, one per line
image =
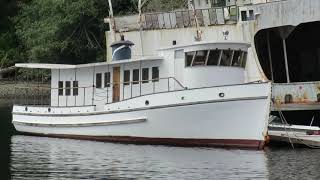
<point x="181" y="18"/>
<point x="101" y="94"/>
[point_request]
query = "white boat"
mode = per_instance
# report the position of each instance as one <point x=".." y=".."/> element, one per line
<point x="294" y="134"/>
<point x="190" y="95"/>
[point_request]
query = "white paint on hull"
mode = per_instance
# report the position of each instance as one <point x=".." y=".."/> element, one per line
<point x="236" y="117"/>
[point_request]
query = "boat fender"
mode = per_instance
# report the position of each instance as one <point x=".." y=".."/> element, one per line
<point x="26" y="108"/>
<point x="146" y="103"/>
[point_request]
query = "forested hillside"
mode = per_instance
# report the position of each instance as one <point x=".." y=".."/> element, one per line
<point x="61" y="31"/>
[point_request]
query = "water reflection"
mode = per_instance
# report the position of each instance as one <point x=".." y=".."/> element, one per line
<point x="6" y="130"/>
<point x="50" y="158"/>
<point x="300" y="163"/>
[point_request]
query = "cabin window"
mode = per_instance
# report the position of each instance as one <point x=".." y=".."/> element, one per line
<point x="213" y="58"/>
<point x="236" y="58"/>
<point x="126" y="77"/>
<point x="243" y="60"/>
<point x="155" y="74"/>
<point x="68" y="88"/>
<point x="226" y="58"/>
<point x="200" y="58"/>
<point x="75" y="88"/>
<point x="60" y="88"/>
<point x="145" y="75"/>
<point x="135" y="76"/>
<point x="98" y="80"/>
<point x="189" y="57"/>
<point x="107" y="79"/>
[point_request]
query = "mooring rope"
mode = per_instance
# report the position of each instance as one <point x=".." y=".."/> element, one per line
<point x="284" y="121"/>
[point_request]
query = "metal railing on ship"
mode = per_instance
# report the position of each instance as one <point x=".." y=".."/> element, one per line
<point x="41" y="94"/>
<point x="181" y="19"/>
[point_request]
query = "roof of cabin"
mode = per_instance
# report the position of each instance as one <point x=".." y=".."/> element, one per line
<point x="202" y="45"/>
<point x="69" y="66"/>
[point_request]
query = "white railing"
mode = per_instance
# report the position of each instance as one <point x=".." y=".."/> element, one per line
<point x="90" y="95"/>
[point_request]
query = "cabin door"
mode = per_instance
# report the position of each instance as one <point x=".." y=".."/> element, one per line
<point x="116" y="84"/>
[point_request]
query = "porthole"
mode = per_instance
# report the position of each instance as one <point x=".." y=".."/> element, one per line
<point x="26" y="108"/>
<point x="146" y="103"/>
<point x="49" y="109"/>
<point x="182" y="98"/>
<point x="221" y="94"/>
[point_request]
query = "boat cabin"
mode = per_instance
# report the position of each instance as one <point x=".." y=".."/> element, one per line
<point x="201" y="64"/>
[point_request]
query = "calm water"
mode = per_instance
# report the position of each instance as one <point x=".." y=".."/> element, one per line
<point x="26" y="157"/>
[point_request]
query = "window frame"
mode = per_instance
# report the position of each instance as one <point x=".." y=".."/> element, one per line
<point x="155" y="74"/>
<point x="214" y="53"/>
<point x="68" y="88"/>
<point x="126" y="77"/>
<point x="145" y="72"/>
<point x="98" y="80"/>
<point x="60" y="88"/>
<point x="191" y="54"/>
<point x="107" y="78"/>
<point x="135" y="76"/>
<point x="75" y="88"/>
<point x="228" y="54"/>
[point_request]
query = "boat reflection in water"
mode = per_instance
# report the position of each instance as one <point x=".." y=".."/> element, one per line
<point x="50" y="158"/>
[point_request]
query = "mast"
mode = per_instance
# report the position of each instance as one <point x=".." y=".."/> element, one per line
<point x="198" y="32"/>
<point x="112" y="21"/>
<point x="140" y="5"/>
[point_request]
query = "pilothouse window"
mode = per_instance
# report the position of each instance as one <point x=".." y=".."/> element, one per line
<point x="189" y="57"/>
<point x="236" y="60"/>
<point x="213" y="58"/>
<point x="200" y="58"/>
<point x="243" y="60"/>
<point x="216" y="57"/>
<point x="226" y="58"/>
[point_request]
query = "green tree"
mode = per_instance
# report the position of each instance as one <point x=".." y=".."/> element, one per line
<point x="60" y="31"/>
<point x="9" y="45"/>
<point x="164" y="5"/>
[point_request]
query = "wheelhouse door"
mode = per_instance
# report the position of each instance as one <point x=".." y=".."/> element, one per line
<point x="116" y="84"/>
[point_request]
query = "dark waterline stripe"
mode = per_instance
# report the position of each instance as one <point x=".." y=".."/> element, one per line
<point x="182" y="142"/>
